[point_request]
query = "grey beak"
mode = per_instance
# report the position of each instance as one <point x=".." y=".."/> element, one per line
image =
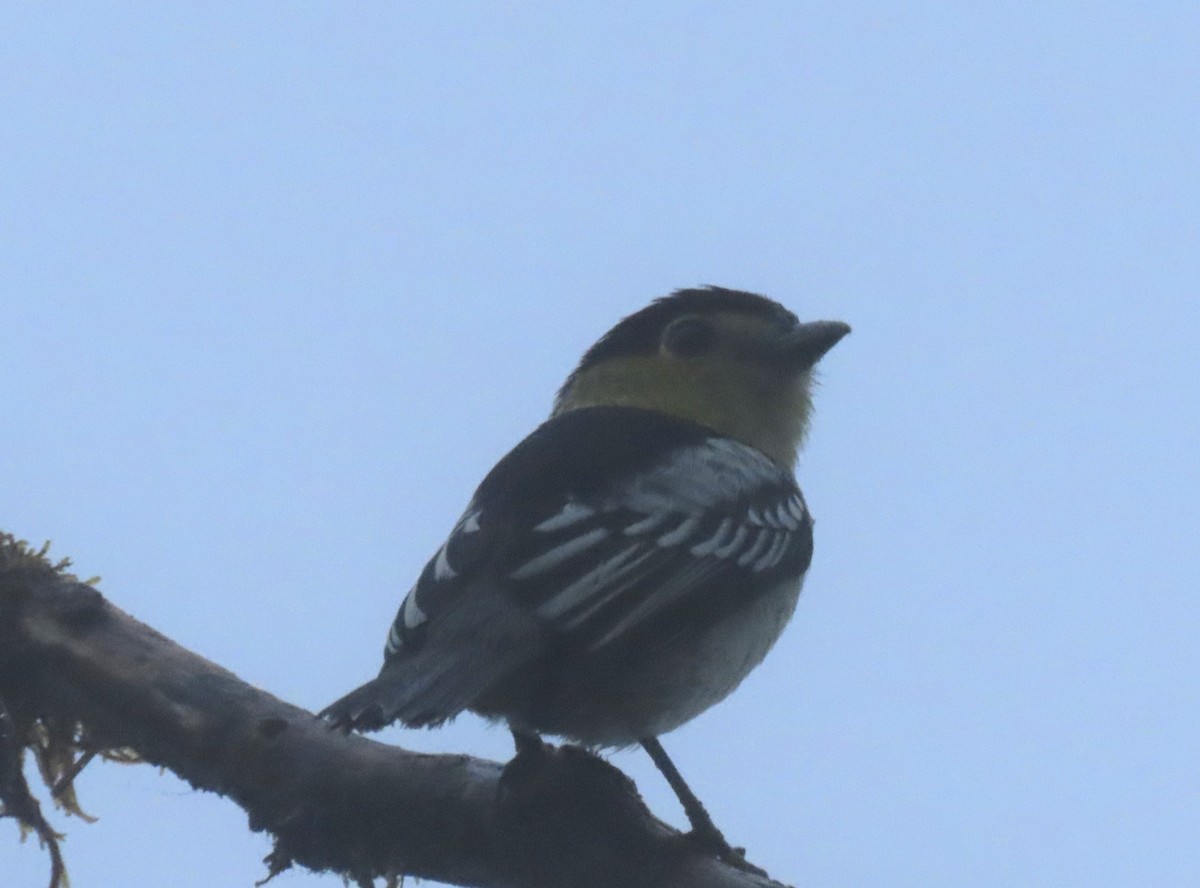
<point x="807" y="343"/>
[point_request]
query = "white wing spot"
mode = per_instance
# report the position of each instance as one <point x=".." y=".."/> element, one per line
<point x="393" y="640"/>
<point x="680" y="533"/>
<point x="650" y="522"/>
<point x="764" y="539"/>
<point x="664" y="596"/>
<point x="622" y="580"/>
<point x="796" y="507"/>
<point x="784" y="517"/>
<point x="413" y="615"/>
<point x="772" y="556"/>
<point x="441" y="565"/>
<point x="709" y="545"/>
<point x="594" y="580"/>
<point x="734" y="544"/>
<point x="470" y="523"/>
<point x="556" y="556"/>
<point x="571" y="513"/>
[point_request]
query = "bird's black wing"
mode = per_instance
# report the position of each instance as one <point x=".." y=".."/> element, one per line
<point x="602" y="522"/>
<point x="713" y="521"/>
<point x="607" y="517"/>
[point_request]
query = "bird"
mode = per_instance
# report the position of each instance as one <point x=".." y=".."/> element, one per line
<point x="625" y="566"/>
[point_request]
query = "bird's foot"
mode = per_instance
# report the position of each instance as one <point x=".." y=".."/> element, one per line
<point x="710" y="840"/>
<point x="528" y="744"/>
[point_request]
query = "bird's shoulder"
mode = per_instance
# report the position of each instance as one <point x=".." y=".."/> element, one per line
<point x="605" y="516"/>
<point x="585" y="454"/>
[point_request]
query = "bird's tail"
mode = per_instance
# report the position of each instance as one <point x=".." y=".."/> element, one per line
<point x="418" y="694"/>
<point x="360" y="710"/>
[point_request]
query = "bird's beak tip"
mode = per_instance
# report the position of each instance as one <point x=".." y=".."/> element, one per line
<point x="810" y="342"/>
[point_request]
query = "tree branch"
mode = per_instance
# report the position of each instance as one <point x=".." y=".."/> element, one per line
<point x="79" y="677"/>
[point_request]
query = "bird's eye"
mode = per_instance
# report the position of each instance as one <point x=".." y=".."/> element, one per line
<point x="689" y="337"/>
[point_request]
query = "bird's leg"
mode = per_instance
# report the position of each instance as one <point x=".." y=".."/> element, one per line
<point x="703" y="829"/>
<point x="527" y="743"/>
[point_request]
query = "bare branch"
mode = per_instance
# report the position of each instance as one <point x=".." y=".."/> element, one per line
<point x="91" y="679"/>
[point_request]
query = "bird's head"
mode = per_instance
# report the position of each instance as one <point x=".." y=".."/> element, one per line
<point x="736" y="362"/>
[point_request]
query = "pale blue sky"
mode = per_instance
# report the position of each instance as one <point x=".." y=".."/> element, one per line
<point x="281" y="281"/>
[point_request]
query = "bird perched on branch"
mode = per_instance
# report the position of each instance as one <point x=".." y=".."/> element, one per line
<point x="625" y="566"/>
